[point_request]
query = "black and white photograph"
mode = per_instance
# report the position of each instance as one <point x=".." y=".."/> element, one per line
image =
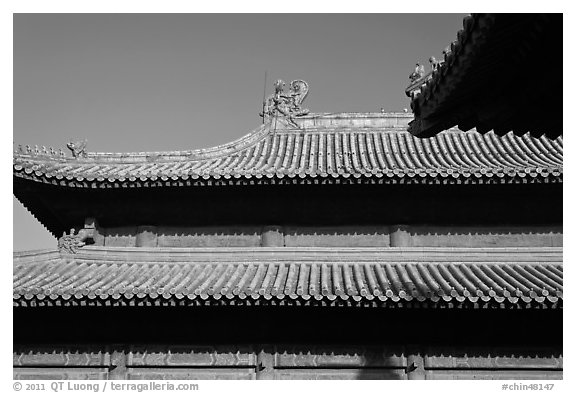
<point x="287" y="196"/>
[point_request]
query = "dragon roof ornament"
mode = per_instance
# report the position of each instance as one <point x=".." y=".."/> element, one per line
<point x="288" y="105"/>
<point x="70" y="243"/>
<point x="78" y="148"/>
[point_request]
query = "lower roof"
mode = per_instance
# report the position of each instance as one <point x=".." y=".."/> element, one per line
<point x="411" y="277"/>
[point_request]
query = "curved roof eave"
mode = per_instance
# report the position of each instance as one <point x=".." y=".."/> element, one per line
<point x="331" y="146"/>
<point x="462" y="276"/>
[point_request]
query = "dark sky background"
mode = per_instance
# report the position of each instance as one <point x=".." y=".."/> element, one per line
<point x="154" y="82"/>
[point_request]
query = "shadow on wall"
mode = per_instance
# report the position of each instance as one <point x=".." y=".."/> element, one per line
<point x="372" y="362"/>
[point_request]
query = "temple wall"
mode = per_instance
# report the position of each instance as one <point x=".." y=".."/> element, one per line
<point x="209" y="237"/>
<point x="434" y="236"/>
<point x="284" y="362"/>
<point x="331" y="236"/>
<point x="302" y="342"/>
<point x="365" y="236"/>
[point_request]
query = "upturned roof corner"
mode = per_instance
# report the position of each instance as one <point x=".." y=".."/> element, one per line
<point x="502" y="73"/>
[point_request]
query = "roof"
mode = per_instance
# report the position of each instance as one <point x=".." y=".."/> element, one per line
<point x="410" y="277"/>
<point x="503" y="72"/>
<point x="332" y="148"/>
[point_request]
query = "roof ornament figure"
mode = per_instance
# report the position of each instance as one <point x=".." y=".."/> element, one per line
<point x="70" y="243"/>
<point x="434" y="64"/>
<point x="78" y="148"/>
<point x="449" y="49"/>
<point x="418" y="73"/>
<point x="288" y="105"/>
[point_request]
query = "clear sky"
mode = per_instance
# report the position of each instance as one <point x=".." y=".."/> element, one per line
<point x="154" y="82"/>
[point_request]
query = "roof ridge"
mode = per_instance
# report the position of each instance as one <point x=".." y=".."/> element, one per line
<point x="245" y="141"/>
<point x="234" y="146"/>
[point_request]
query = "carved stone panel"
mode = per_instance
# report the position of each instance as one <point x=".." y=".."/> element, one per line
<point x="479" y="358"/>
<point x="201" y="356"/>
<point x="339" y="357"/>
<point x="78" y="362"/>
<point x="339" y="362"/>
<point x="60" y="357"/>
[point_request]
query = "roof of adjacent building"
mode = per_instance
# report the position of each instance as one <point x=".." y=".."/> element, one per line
<point x="503" y="73"/>
<point x="373" y="147"/>
<point x="456" y="277"/>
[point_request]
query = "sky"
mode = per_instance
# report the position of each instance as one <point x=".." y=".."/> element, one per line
<point x="157" y="82"/>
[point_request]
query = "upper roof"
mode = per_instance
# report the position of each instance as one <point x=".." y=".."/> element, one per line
<point x="332" y="147"/>
<point x="503" y="73"/>
<point x="381" y="277"/>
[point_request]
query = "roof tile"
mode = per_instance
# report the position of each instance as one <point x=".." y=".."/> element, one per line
<point x="326" y="152"/>
<point x="382" y="282"/>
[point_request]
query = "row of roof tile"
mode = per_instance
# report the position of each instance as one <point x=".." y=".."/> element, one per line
<point x="341" y="153"/>
<point x="382" y="282"/>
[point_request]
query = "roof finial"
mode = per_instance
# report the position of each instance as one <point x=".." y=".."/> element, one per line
<point x="287" y="105"/>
